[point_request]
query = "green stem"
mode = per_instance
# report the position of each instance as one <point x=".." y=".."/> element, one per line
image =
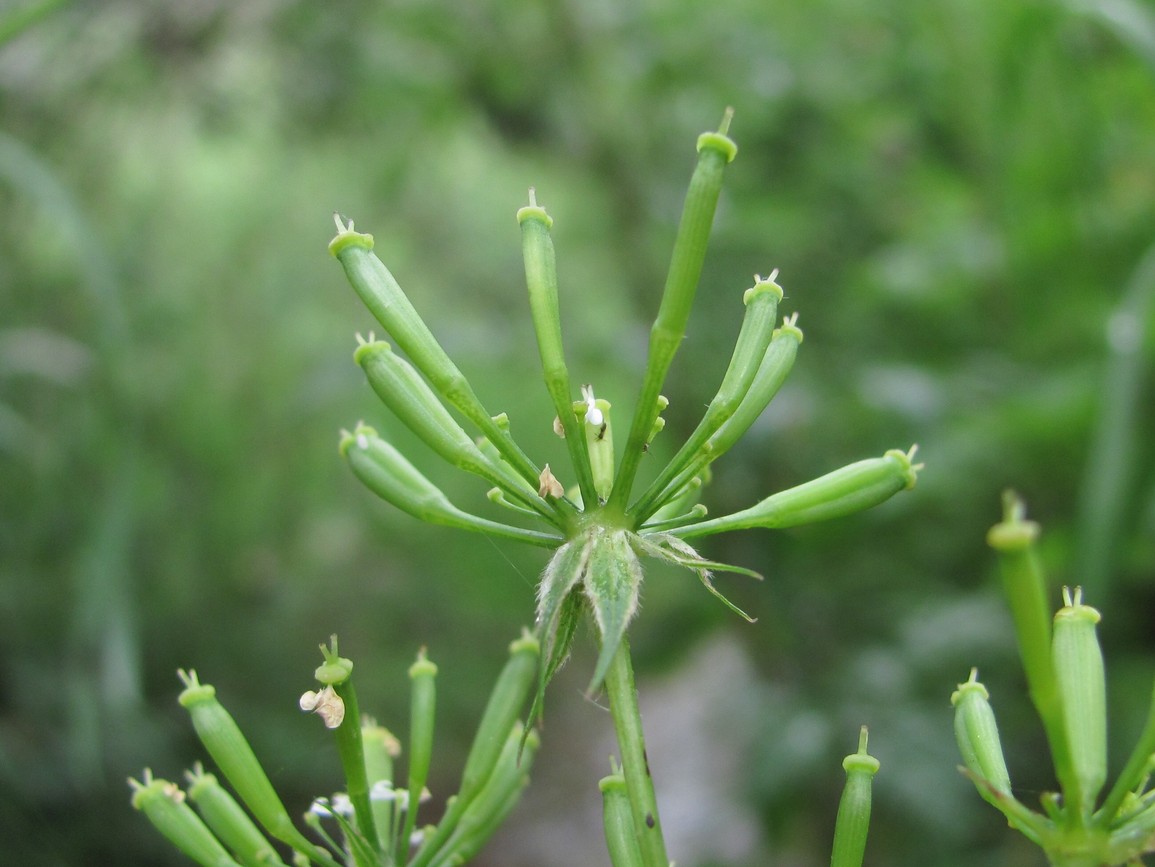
<point x="623" y="698"/>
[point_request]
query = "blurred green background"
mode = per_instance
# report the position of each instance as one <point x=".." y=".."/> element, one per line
<point x="960" y="195"/>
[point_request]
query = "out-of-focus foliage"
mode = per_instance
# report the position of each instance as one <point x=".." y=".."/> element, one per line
<point x="960" y="196"/>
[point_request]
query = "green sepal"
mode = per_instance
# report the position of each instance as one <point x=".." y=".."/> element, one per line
<point x="612" y="582"/>
<point x="560" y="581"/>
<point x="163" y="803"/>
<point x="573" y="609"/>
<point x="665" y="546"/>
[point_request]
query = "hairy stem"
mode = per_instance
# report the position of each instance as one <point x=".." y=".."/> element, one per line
<point x="623" y="698"/>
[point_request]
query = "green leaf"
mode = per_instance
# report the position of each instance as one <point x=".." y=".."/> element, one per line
<point x="612" y="584"/>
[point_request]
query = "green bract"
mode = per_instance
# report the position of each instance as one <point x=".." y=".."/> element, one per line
<point x="591" y="514"/>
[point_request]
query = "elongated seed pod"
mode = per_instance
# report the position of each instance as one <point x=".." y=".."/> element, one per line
<point x="505" y="704"/>
<point x="977" y="733"/>
<point x="501" y="712"/>
<point x="618" y="821"/>
<point x="775" y="366"/>
<point x="761" y="302"/>
<point x="843" y="492"/>
<point x="422" y="712"/>
<point x="380" y="293"/>
<point x="599" y="439"/>
<point x="541" y="280"/>
<point x="229" y="821"/>
<point x="381" y="748"/>
<point x="222" y="737"/>
<point x="163" y="803"/>
<point x="853" y="821"/>
<point x="1079" y="672"/>
<point x="387" y="473"/>
<point x="715" y="152"/>
<point x="402" y="389"/>
<point x="495" y="801"/>
<point x="405" y="392"/>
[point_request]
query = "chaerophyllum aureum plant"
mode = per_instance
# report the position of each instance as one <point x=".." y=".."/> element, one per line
<point x="597" y="522"/>
<point x="1084" y="824"/>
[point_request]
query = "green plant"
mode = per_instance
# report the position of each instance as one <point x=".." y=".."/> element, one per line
<point x="1079" y="826"/>
<point x="598" y="526"/>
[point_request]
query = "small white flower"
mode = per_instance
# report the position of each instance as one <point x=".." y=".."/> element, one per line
<point x="382" y="790"/>
<point x="593" y="414"/>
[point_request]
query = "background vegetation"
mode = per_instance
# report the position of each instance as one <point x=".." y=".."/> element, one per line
<point x="960" y="195"/>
